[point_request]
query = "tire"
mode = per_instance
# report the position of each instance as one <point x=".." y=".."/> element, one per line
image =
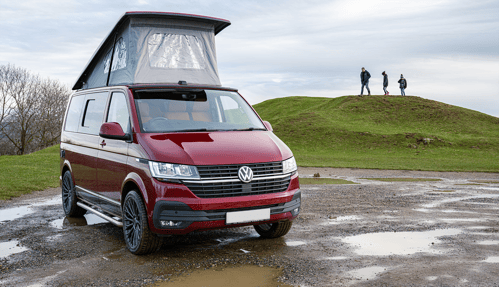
<point x="273" y="230"/>
<point x="138" y="237"/>
<point x="69" y="197"/>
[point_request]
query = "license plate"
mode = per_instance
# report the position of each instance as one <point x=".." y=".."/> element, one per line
<point x="247" y="216"/>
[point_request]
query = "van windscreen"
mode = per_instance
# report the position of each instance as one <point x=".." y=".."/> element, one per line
<point x="194" y="110"/>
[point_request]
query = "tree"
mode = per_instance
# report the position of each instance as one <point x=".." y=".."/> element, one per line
<point x="31" y="109"/>
<point x="53" y="100"/>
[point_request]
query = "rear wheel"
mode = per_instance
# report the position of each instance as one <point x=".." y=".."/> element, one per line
<point x="273" y="230"/>
<point x="69" y="197"/>
<point x="138" y="237"/>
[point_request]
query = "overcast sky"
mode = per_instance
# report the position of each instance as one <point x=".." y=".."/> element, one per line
<point x="447" y="50"/>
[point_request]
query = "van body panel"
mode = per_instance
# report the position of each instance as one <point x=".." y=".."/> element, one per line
<point x="111" y="167"/>
<point x="137" y="151"/>
<point x="213" y="148"/>
<point x="81" y="151"/>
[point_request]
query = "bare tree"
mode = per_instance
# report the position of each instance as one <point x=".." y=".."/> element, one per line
<point x="31" y="109"/>
<point x="53" y="99"/>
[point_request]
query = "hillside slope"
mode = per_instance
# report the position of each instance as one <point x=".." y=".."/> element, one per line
<point x="384" y="132"/>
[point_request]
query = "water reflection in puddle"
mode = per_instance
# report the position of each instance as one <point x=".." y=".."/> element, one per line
<point x="432" y="278"/>
<point x="488" y="242"/>
<point x="14" y="213"/>
<point x="340" y="219"/>
<point x="243" y="276"/>
<point x="294" y="243"/>
<point x="367" y="273"/>
<point x="492" y="259"/>
<point x="87" y="219"/>
<point x="9" y="214"/>
<point x="398" y="243"/>
<point x="10" y="247"/>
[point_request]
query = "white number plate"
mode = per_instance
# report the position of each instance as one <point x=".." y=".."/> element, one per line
<point x="247" y="216"/>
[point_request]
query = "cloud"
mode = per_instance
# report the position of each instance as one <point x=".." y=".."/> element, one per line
<point x="448" y="50"/>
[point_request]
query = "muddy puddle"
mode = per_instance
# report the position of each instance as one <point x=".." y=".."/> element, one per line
<point x="10" y="247"/>
<point x="87" y="219"/>
<point x="368" y="273"/>
<point x="399" y="243"/>
<point x="492" y="259"/>
<point x="14" y="213"/>
<point x="240" y="276"/>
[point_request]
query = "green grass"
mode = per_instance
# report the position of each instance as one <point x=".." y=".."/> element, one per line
<point x="400" y="179"/>
<point x="21" y="174"/>
<point x="308" y="180"/>
<point x="384" y="132"/>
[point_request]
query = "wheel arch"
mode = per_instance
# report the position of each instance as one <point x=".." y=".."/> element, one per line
<point x="134" y="182"/>
<point x="67" y="167"/>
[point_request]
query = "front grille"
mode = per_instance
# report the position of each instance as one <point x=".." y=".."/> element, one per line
<point x="259" y="169"/>
<point x="237" y="188"/>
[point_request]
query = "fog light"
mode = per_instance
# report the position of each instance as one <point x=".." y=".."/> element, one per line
<point x="170" y="223"/>
<point x="295" y="211"/>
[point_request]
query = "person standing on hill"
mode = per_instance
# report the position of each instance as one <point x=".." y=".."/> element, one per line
<point x="403" y="85"/>
<point x="385" y="83"/>
<point x="364" y="79"/>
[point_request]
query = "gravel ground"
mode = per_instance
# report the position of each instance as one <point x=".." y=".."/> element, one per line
<point x="372" y="233"/>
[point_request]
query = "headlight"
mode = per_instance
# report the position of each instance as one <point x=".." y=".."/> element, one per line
<point x="173" y="171"/>
<point x="289" y="165"/>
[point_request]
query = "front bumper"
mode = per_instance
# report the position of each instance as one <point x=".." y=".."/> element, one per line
<point x="177" y="217"/>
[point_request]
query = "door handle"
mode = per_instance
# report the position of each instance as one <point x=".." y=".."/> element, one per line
<point x="103" y="143"/>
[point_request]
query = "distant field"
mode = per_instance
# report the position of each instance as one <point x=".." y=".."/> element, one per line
<point x="21" y="174"/>
<point x="380" y="132"/>
<point x="384" y="132"/>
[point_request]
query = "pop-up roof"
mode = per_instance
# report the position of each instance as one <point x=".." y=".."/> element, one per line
<point x="156" y="47"/>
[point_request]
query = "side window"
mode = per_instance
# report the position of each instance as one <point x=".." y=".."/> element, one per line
<point x="93" y="113"/>
<point x="232" y="111"/>
<point x="74" y="112"/>
<point x="118" y="111"/>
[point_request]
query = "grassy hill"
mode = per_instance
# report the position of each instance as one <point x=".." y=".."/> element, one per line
<point x="384" y="132"/>
<point x="21" y="174"/>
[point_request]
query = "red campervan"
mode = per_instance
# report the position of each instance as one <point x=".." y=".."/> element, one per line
<point x="152" y="142"/>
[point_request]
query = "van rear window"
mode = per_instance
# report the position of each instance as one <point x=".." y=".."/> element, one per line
<point x="74" y="112"/>
<point x="93" y="113"/>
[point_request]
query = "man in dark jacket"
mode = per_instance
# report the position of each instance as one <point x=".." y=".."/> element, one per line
<point x="364" y="79"/>
<point x="385" y="83"/>
<point x="403" y="85"/>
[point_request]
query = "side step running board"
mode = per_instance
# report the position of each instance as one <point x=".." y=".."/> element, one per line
<point x="100" y="214"/>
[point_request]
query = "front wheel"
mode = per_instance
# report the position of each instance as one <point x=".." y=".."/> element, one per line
<point x="138" y="237"/>
<point x="69" y="197"/>
<point x="273" y="230"/>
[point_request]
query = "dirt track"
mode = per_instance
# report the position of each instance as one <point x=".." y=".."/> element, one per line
<point x="375" y="233"/>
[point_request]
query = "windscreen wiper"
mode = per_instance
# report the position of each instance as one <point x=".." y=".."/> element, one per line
<point x="194" y="130"/>
<point x="249" y="129"/>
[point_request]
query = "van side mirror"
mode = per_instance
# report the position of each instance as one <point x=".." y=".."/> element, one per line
<point x="268" y="125"/>
<point x="113" y="131"/>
